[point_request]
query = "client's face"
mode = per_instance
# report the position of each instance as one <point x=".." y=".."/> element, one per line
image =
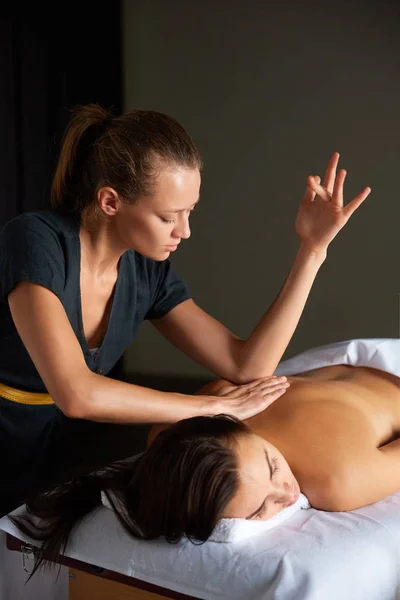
<point x="267" y="485"/>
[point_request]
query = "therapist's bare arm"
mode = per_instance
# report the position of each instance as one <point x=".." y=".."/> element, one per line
<point x="46" y="332"/>
<point x="320" y="217"/>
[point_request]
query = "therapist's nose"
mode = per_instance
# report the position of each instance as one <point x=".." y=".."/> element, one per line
<point x="182" y="231"/>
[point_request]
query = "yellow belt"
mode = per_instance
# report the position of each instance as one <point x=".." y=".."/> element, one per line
<point x="22" y="397"/>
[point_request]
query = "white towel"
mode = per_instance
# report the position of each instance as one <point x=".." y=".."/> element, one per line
<point x="105" y="501"/>
<point x="234" y="530"/>
<point x="378" y="353"/>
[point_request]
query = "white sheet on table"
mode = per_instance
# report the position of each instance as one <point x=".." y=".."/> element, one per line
<point x="314" y="555"/>
<point x="379" y="353"/>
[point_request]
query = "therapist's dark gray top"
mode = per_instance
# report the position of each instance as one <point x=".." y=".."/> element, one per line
<point x="44" y="247"/>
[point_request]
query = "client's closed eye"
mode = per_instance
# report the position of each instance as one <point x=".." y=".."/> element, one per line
<point x="264" y="508"/>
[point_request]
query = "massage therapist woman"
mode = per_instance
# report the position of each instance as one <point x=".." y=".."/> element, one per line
<point x="77" y="281"/>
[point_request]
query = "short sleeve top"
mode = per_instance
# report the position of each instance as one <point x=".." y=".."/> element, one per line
<point x="44" y="247"/>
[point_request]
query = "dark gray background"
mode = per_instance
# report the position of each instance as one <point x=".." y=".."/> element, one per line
<point x="269" y="91"/>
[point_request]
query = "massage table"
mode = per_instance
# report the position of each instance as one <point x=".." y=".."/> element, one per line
<point x="314" y="555"/>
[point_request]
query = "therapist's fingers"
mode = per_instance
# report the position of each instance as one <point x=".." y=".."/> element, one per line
<point x="222" y="387"/>
<point x="309" y="194"/>
<point x="256" y="386"/>
<point x="257" y="402"/>
<point x="330" y="174"/>
<point x="248" y="404"/>
<point x="270" y="397"/>
<point x="272" y="387"/>
<point x="337" y="196"/>
<point x="318" y="189"/>
<point x="356" y="202"/>
<point x="266" y="383"/>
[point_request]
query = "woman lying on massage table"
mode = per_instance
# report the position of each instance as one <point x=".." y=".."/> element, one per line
<point x="333" y="436"/>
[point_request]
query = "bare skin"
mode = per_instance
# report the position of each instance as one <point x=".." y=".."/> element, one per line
<point x="335" y="436"/>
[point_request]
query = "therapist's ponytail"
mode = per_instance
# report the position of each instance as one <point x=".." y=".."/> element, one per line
<point x="179" y="487"/>
<point x="124" y="152"/>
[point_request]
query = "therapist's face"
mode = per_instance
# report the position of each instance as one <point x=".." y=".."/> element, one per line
<point x="267" y="485"/>
<point x="156" y="224"/>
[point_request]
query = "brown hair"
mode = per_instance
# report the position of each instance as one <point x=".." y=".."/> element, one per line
<point x="179" y="486"/>
<point x="124" y="152"/>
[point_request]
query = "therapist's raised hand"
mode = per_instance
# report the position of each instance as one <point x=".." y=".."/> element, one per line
<point x="243" y="401"/>
<point x="322" y="213"/>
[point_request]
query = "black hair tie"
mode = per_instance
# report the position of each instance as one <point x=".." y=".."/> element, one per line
<point x="105" y="123"/>
<point x="97" y="130"/>
<point x="88" y="139"/>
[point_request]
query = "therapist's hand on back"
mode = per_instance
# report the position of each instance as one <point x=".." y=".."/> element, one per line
<point x="322" y="214"/>
<point x="246" y="400"/>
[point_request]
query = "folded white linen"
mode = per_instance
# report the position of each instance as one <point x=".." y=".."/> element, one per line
<point x="105" y="501"/>
<point x="376" y="353"/>
<point x="234" y="530"/>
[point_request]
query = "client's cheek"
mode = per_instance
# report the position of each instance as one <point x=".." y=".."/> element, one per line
<point x="273" y="511"/>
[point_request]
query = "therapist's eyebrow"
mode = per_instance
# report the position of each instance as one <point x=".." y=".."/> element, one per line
<point x="265" y="499"/>
<point x="182" y="209"/>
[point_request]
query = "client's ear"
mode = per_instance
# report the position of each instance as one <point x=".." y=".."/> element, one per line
<point x="213" y="387"/>
<point x="210" y="389"/>
<point x="155" y="430"/>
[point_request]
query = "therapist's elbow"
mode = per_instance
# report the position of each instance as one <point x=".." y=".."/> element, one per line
<point x="241" y="376"/>
<point x="74" y="410"/>
<point x="75" y="402"/>
<point x="246" y="369"/>
<point x="247" y="375"/>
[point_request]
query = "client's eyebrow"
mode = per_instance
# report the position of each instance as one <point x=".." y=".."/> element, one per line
<point x="265" y="499"/>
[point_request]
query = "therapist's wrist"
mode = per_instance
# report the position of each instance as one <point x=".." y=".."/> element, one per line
<point x="207" y="406"/>
<point x="183" y="406"/>
<point x="315" y="255"/>
<point x="202" y="405"/>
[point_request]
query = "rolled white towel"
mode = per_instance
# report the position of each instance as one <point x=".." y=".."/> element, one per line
<point x="235" y="530"/>
<point x="105" y="501"/>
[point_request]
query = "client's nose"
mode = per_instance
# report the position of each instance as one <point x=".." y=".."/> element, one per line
<point x="284" y="494"/>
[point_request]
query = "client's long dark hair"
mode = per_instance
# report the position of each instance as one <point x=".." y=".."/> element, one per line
<point x="179" y="486"/>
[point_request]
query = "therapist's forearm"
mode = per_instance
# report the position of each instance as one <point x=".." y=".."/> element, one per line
<point x="262" y="351"/>
<point x="103" y="399"/>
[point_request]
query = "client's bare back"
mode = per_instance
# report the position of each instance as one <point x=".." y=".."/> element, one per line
<point x="330" y="423"/>
<point x="374" y="393"/>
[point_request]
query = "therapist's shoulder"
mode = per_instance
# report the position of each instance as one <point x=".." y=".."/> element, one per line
<point x="45" y="227"/>
<point x="33" y="247"/>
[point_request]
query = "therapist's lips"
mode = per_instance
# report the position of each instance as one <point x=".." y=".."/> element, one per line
<point x="172" y="248"/>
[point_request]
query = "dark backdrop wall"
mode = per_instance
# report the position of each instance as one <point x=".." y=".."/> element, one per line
<point x="269" y="90"/>
<point x="52" y="57"/>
